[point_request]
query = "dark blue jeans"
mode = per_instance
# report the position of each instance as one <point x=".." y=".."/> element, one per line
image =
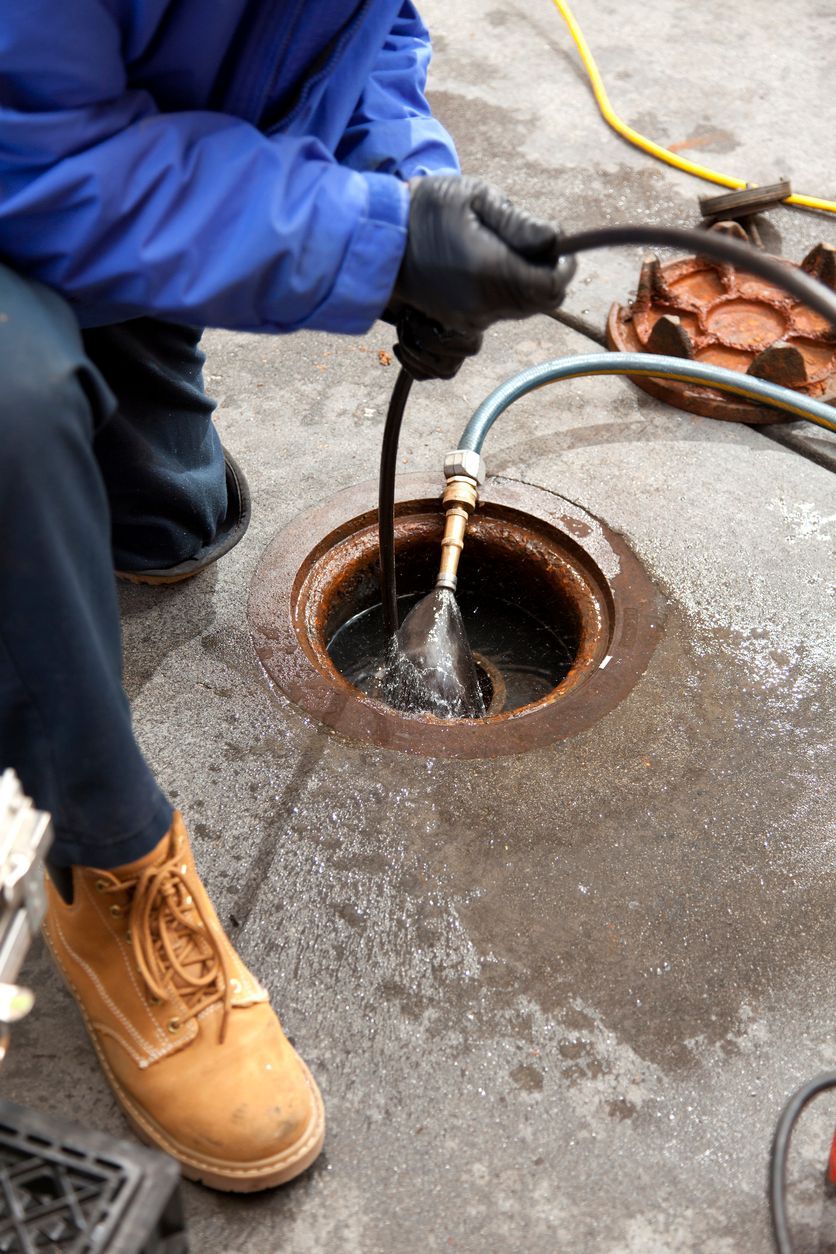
<point x="108" y="457"/>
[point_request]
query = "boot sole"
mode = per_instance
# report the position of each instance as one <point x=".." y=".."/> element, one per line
<point x="156" y="581"/>
<point x="223" y="1177"/>
<point x="214" y="1173"/>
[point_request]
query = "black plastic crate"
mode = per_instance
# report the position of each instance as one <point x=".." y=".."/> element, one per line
<point x="71" y="1190"/>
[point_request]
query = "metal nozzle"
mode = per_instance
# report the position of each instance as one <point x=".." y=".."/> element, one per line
<point x="460" y="497"/>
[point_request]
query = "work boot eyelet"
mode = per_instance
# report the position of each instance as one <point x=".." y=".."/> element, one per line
<point x="154" y="1000"/>
<point x="128" y="936"/>
<point x="101" y="885"/>
<point x="116" y="911"/>
<point x="173" y="1026"/>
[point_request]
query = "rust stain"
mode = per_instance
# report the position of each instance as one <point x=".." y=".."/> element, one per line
<point x="302" y="592"/>
<point x="707" y="140"/>
<point x="709" y="311"/>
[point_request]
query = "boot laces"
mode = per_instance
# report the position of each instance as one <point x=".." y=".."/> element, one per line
<point x="174" y="943"/>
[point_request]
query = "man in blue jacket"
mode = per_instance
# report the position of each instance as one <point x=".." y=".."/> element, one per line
<point x="165" y="165"/>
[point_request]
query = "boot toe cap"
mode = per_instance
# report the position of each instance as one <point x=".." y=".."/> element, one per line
<point x="246" y="1108"/>
<point x="268" y="1109"/>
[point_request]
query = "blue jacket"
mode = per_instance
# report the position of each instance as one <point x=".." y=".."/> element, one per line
<point x="156" y="157"/>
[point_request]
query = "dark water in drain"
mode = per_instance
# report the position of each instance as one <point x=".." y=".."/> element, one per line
<point x="531" y="657"/>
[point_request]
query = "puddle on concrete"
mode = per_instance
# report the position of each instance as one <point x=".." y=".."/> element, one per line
<point x="653" y="868"/>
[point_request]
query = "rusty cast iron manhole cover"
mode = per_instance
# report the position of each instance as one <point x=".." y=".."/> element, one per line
<point x="709" y="311"/>
<point x="526" y="548"/>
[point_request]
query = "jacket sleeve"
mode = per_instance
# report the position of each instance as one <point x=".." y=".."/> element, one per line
<point x="392" y="130"/>
<point x="194" y="216"/>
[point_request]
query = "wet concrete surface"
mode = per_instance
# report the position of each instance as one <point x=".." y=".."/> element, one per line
<point x="556" y="1001"/>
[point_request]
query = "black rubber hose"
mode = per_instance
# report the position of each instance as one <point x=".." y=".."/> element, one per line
<point x="712" y="244"/>
<point x="386" y="502"/>
<point x="778" y="1158"/>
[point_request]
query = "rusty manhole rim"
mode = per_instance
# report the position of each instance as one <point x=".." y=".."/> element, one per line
<point x="335" y="564"/>
<point x="296" y="667"/>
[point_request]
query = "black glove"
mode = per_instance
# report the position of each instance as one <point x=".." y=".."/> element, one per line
<point x="472" y="258"/>
<point x="427" y="349"/>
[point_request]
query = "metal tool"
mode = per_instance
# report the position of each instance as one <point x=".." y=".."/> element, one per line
<point x="25" y="836"/>
<point x="747" y="201"/>
<point x="736" y="213"/>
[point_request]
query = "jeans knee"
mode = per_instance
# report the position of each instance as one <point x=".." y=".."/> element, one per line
<point x="48" y="386"/>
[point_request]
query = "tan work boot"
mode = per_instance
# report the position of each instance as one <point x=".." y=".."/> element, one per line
<point x="185" y="1034"/>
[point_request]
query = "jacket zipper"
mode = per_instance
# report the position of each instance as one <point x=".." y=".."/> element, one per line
<point x="275" y="42"/>
<point x="305" y="93"/>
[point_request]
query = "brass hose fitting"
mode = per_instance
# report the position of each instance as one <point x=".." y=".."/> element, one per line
<point x="464" y="471"/>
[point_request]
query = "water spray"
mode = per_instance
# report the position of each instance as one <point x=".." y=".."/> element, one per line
<point x="428" y="666"/>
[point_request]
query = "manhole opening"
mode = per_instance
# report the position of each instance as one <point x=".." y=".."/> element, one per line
<point x="526" y="608"/>
<point x="561" y="615"/>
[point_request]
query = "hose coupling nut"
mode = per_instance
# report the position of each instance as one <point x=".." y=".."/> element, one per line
<point x="463" y="461"/>
<point x="461" y="493"/>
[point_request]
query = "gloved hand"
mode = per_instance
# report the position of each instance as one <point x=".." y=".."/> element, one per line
<point x="472" y="258"/>
<point x="427" y="349"/>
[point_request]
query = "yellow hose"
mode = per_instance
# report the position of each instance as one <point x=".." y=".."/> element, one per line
<point x="647" y="145"/>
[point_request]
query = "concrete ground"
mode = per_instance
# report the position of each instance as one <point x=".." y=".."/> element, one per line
<point x="554" y="1002"/>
